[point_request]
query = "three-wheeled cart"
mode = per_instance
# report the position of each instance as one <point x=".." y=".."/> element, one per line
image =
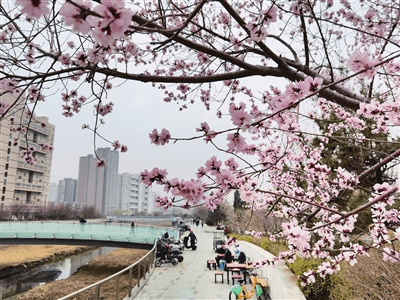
<point x="218" y="238"/>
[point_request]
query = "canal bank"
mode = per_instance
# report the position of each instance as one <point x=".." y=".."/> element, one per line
<point x="24" y="277"/>
<point x="96" y="270"/>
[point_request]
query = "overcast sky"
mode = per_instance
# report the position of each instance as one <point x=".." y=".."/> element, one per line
<point x="138" y="109"/>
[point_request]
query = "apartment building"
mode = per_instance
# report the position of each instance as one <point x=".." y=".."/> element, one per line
<point x="22" y="183"/>
<point x="133" y="195"/>
<point x="98" y="186"/>
<point x="67" y="190"/>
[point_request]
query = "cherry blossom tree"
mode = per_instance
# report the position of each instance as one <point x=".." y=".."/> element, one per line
<point x="271" y="67"/>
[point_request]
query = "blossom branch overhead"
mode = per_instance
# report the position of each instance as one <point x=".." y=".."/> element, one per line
<point x="268" y="67"/>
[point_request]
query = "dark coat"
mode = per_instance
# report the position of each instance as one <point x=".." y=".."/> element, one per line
<point x="192" y="238"/>
<point x="228" y="256"/>
<point x="241" y="258"/>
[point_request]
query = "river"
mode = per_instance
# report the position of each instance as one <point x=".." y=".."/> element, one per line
<point x="22" y="282"/>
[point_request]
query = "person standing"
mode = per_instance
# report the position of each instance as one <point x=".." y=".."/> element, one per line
<point x="193" y="239"/>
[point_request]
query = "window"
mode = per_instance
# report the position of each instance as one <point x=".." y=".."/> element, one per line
<point x="9" y="144"/>
<point x="5" y="174"/>
<point x="2" y="199"/>
<point x="4" y="189"/>
<point x="5" y="181"/>
<point x="8" y="158"/>
<point x="8" y="150"/>
<point x="10" y="136"/>
<point x="6" y="166"/>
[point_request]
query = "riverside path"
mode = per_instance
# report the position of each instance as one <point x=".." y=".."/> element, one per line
<point x="191" y="279"/>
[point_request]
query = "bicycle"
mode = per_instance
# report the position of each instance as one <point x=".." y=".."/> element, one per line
<point x="259" y="286"/>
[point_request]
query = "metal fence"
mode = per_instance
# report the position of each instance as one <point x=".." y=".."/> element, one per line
<point x="122" y="282"/>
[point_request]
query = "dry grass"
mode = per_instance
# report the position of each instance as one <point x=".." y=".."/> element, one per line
<point x="18" y="254"/>
<point x="99" y="268"/>
<point x="372" y="278"/>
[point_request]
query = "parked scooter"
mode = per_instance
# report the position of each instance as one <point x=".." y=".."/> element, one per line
<point x="171" y="241"/>
<point x="167" y="253"/>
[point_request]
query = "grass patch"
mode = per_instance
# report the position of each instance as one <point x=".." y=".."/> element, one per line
<point x="273" y="247"/>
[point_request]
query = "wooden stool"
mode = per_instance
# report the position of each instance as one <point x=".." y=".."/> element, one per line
<point x="235" y="270"/>
<point x="236" y="276"/>
<point x="211" y="263"/>
<point x="216" y="273"/>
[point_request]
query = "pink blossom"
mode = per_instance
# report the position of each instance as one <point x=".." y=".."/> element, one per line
<point x="104" y="110"/>
<point x="116" y="145"/>
<point x="163" y="202"/>
<point x="124" y="148"/>
<point x="73" y="15"/>
<point x="101" y="163"/>
<point x="34" y="8"/>
<point x="270" y="15"/>
<point x="156" y="175"/>
<point x="236" y="142"/>
<point x="65" y="59"/>
<point x="4" y="106"/>
<point x="113" y="23"/>
<point x="161" y="138"/>
<point x="359" y="61"/>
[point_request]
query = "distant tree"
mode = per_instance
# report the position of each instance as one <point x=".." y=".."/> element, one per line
<point x="18" y="211"/>
<point x="340" y="151"/>
<point x="5" y="214"/>
<point x="89" y="212"/>
<point x="237" y="201"/>
<point x="216" y="216"/>
<point x="200" y="212"/>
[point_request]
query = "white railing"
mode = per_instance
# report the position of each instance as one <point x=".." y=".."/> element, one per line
<point x="142" y="267"/>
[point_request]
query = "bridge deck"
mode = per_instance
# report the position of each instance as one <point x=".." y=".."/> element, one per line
<point x="77" y="234"/>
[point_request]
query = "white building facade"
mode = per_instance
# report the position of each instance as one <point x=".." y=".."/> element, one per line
<point x="133" y="195"/>
<point x="22" y="183"/>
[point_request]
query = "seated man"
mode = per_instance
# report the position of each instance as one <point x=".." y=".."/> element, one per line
<point x="228" y="258"/>
<point x="241" y="258"/>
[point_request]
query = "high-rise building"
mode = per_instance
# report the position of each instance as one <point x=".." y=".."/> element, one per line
<point x="53" y="192"/>
<point x="110" y="178"/>
<point x="98" y="186"/>
<point x="67" y="190"/>
<point x="132" y="194"/>
<point x="23" y="183"/>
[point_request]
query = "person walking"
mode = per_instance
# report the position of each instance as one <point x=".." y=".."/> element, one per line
<point x="132" y="227"/>
<point x="83" y="222"/>
<point x="193" y="239"/>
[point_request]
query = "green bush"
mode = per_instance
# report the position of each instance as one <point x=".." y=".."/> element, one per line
<point x="321" y="288"/>
<point x="265" y="243"/>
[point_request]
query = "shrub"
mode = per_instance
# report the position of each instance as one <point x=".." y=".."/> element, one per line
<point x="320" y="289"/>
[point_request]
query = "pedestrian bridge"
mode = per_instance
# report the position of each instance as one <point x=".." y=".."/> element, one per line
<point x="74" y="233"/>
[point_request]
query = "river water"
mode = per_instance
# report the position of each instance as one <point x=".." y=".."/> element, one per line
<point x="22" y="282"/>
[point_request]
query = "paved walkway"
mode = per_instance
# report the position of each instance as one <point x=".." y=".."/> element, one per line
<point x="191" y="279"/>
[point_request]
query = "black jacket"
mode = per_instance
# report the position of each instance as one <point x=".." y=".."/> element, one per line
<point x="241" y="258"/>
<point x="228" y="256"/>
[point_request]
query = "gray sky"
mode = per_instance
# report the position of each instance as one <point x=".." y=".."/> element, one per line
<point x="138" y="109"/>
